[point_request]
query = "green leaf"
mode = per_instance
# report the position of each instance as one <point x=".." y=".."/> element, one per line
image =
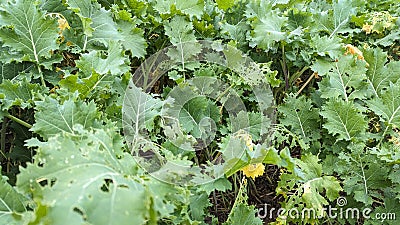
<point x="315" y="182"/>
<point x="85" y="178"/>
<point x="194" y="116"/>
<point x="299" y="114"/>
<point x="330" y="46"/>
<point x="313" y="189"/>
<point x="345" y="80"/>
<point x="19" y="94"/>
<point x="179" y="30"/>
<point x="254" y="123"/>
<point x="266" y="24"/>
<point x="198" y="203"/>
<point x="12" y="70"/>
<point x="388" y="152"/>
<point x="12" y="203"/>
<point x="52" y="117"/>
<point x="132" y="38"/>
<point x="225" y="4"/>
<point x="113" y="62"/>
<point x="380" y="72"/>
<point x="322" y="66"/>
<point x="335" y="19"/>
<point x="27" y="30"/>
<point x="388" y="39"/>
<point x="139" y="111"/>
<point x="243" y="214"/>
<point x="234" y="154"/>
<point x="387" y="106"/>
<point x="193" y="8"/>
<point x="98" y="24"/>
<point x="344" y="120"/>
<point x="364" y="175"/>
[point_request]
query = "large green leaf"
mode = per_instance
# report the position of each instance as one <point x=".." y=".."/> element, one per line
<point x="98" y="24"/>
<point x="266" y="24"/>
<point x="85" y="178"/>
<point x="380" y="72"/>
<point x="12" y="203"/>
<point x="12" y="70"/>
<point x="19" y="94"/>
<point x="193" y="8"/>
<point x="179" y="30"/>
<point x="335" y="18"/>
<point x="303" y="119"/>
<point x="52" y="117"/>
<point x="387" y="106"/>
<point x="345" y="79"/>
<point x="113" y="61"/>
<point x="25" y="29"/>
<point x="139" y="111"/>
<point x="344" y="120"/>
<point x="132" y="38"/>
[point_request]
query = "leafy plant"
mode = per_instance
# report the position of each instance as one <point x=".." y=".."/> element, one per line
<point x="102" y="124"/>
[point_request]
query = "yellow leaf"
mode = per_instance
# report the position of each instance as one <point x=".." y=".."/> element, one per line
<point x="350" y="49"/>
<point x="63" y="24"/>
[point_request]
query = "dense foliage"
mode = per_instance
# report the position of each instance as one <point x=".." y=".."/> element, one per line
<point x="333" y="67"/>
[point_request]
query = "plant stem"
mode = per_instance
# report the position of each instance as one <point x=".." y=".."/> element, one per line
<point x="17" y="120"/>
<point x="239" y="197"/>
<point x="41" y="76"/>
<point x="305" y="84"/>
<point x="284" y="67"/>
<point x="3" y="140"/>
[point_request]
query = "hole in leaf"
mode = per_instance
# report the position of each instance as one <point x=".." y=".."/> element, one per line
<point x="43" y="183"/>
<point x="106" y="186"/>
<point x="123" y="186"/>
<point x="80" y="212"/>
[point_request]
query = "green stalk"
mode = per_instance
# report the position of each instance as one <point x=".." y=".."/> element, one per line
<point x="3" y="140"/>
<point x="17" y="120"/>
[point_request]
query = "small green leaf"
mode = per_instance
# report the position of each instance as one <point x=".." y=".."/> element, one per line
<point x="225" y="4"/>
<point x="139" y="112"/>
<point x="179" y="30"/>
<point x="330" y="46"/>
<point x="97" y="23"/>
<point x="243" y="214"/>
